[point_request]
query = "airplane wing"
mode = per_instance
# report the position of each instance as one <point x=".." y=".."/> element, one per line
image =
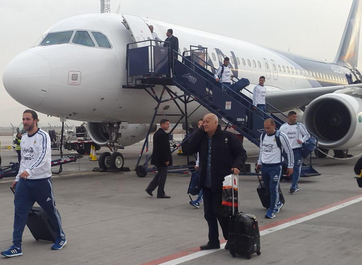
<point x="290" y="99"/>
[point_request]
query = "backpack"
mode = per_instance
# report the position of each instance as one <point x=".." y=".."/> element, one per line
<point x="222" y="71"/>
<point x="194" y="186"/>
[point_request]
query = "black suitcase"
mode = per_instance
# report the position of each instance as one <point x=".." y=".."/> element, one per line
<point x="264" y="194"/>
<point x="244" y="236"/>
<point x="40" y="226"/>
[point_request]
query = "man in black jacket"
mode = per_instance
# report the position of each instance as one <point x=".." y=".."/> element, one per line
<point x="172" y="42"/>
<point x="220" y="153"/>
<point x="161" y="158"/>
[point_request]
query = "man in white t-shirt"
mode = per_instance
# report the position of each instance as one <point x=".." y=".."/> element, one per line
<point x="297" y="135"/>
<point x="272" y="144"/>
<point x="224" y="73"/>
<point x="259" y="94"/>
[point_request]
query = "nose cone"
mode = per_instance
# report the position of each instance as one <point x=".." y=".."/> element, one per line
<point x="26" y="78"/>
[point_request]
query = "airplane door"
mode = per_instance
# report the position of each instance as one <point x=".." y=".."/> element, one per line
<point x="274" y="69"/>
<point x="267" y="68"/>
<point x="138" y="28"/>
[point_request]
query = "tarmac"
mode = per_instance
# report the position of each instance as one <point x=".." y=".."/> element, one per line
<point x="109" y="219"/>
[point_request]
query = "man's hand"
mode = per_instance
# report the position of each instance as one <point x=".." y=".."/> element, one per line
<point x="24" y="175"/>
<point x="235" y="170"/>
<point x="14" y="184"/>
<point x="258" y="168"/>
<point x="289" y="172"/>
<point x="299" y="141"/>
<point x="217" y="79"/>
<point x="167" y="162"/>
<point x="196" y="167"/>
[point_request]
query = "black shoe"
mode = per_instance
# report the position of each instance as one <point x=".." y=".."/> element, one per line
<point x="149" y="192"/>
<point x="208" y="246"/>
<point x="227" y="246"/>
<point x="163" y="196"/>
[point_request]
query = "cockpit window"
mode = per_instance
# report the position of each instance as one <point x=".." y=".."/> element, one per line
<point x="101" y="40"/>
<point x="83" y="38"/>
<point x="57" y="38"/>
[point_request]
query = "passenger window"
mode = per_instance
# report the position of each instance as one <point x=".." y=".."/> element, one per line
<point x="254" y="64"/>
<point x="83" y="38"/>
<point x="101" y="40"/>
<point x="238" y="60"/>
<point x="57" y="38"/>
<point x="243" y="60"/>
<point x="283" y="68"/>
<point x="259" y="64"/>
<point x="249" y="64"/>
<point x="213" y="56"/>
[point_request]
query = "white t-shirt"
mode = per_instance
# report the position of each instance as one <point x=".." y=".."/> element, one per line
<point x="35" y="155"/>
<point x="295" y="132"/>
<point x="270" y="153"/>
<point x="259" y="94"/>
<point x="226" y="75"/>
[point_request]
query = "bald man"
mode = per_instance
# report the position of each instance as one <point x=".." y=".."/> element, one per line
<point x="270" y="163"/>
<point x="220" y="153"/>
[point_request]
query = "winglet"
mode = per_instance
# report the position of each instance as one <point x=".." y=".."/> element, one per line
<point x="349" y="46"/>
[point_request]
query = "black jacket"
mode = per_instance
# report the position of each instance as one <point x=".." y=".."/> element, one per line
<point x="173" y="42"/>
<point x="161" y="149"/>
<point x="226" y="152"/>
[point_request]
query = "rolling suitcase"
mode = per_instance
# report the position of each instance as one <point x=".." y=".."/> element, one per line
<point x="264" y="194"/>
<point x="39" y="224"/>
<point x="244" y="236"/>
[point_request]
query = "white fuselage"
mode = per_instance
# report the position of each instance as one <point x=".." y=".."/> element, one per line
<point x="41" y="77"/>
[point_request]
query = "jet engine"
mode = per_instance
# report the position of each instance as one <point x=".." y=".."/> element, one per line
<point x="122" y="135"/>
<point x="336" y="119"/>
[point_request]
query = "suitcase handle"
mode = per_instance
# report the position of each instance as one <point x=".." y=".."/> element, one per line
<point x="260" y="181"/>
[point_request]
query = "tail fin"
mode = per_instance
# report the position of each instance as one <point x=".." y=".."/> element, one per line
<point x="349" y="46"/>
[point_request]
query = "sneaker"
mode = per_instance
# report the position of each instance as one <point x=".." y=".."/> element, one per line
<point x="12" y="252"/>
<point x="269" y="215"/>
<point x="291" y="190"/>
<point x="296" y="190"/>
<point x="194" y="204"/>
<point x="279" y="207"/>
<point x="59" y="243"/>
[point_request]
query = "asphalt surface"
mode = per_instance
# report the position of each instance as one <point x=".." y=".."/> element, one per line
<point x="109" y="219"/>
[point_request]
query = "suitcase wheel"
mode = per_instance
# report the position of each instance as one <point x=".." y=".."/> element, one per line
<point x="258" y="253"/>
<point x="248" y="256"/>
<point x="232" y="252"/>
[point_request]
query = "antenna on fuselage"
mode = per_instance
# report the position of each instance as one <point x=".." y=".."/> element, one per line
<point x="105" y="6"/>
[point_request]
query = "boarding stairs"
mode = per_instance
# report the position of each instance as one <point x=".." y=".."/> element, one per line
<point x="149" y="65"/>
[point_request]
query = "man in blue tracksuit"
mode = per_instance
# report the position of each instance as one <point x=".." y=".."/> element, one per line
<point x="33" y="184"/>
<point x="270" y="162"/>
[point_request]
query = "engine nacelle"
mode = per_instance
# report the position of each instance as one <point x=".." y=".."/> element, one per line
<point x="128" y="134"/>
<point x="336" y="119"/>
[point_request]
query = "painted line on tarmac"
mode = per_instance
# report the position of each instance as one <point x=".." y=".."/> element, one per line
<point x="195" y="253"/>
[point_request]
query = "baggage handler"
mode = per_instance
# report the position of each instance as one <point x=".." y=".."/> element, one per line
<point x="33" y="184"/>
<point x="220" y="153"/>
<point x="270" y="163"/>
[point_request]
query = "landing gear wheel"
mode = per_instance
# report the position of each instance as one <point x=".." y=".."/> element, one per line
<point x="104" y="161"/>
<point x="116" y="161"/>
<point x="320" y="154"/>
<point x="141" y="171"/>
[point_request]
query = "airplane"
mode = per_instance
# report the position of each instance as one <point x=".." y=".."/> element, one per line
<point x="77" y="69"/>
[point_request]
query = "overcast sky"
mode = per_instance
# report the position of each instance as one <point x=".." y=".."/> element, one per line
<point x="312" y="28"/>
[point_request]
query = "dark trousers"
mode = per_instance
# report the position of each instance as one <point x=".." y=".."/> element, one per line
<point x="159" y="180"/>
<point x="26" y="193"/>
<point x="212" y="203"/>
<point x="19" y="155"/>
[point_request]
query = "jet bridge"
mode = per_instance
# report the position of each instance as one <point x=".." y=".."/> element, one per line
<point x="152" y="64"/>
